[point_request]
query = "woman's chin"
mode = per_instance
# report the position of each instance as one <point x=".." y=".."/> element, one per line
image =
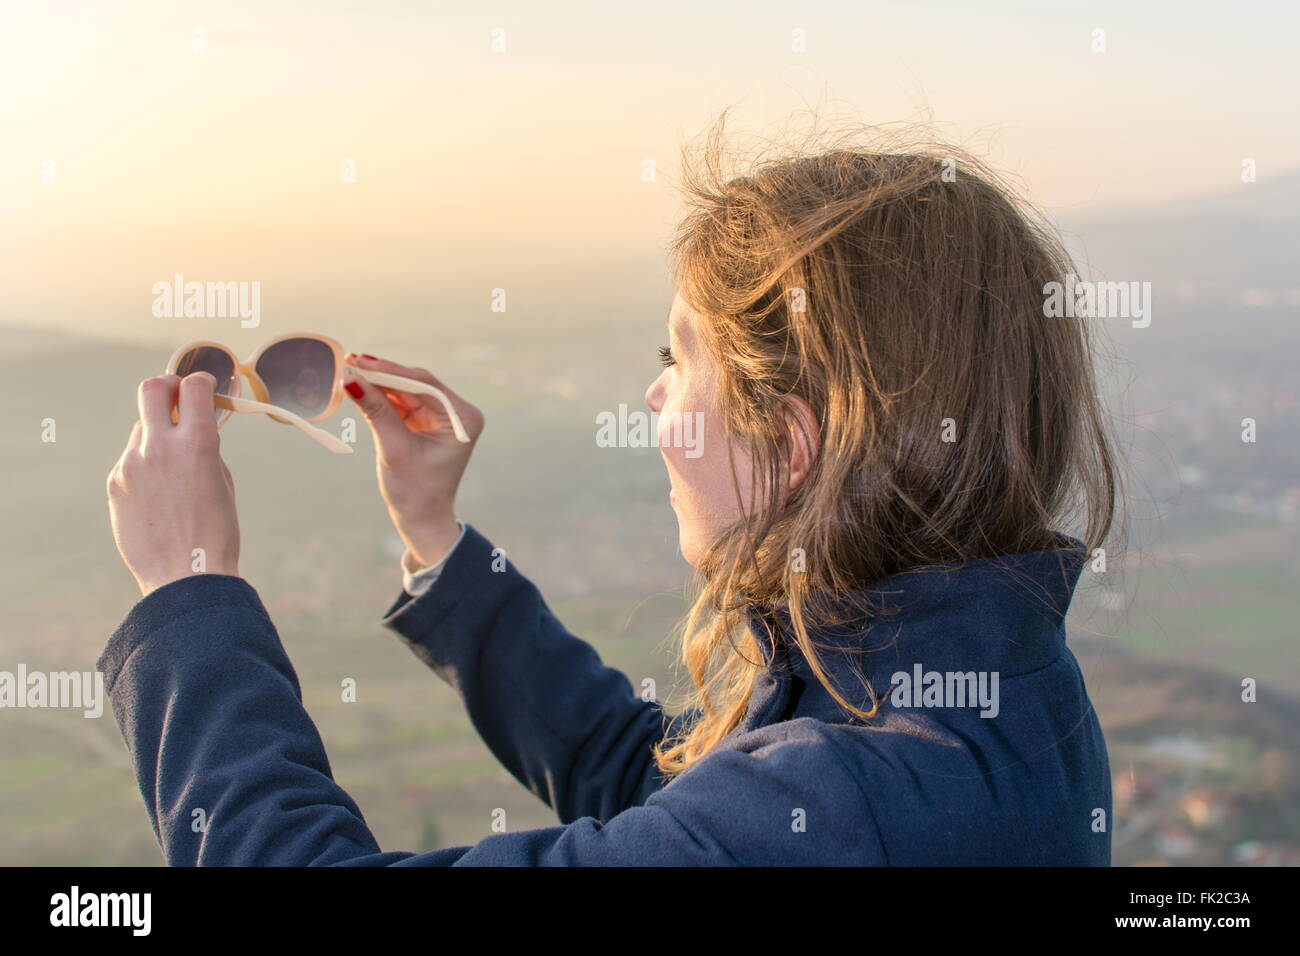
<point x="688" y="545"/>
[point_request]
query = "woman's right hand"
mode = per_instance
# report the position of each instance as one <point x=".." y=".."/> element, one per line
<point x="418" y="459"/>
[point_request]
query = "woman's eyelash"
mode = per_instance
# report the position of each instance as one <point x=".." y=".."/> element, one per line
<point x="666" y="356"/>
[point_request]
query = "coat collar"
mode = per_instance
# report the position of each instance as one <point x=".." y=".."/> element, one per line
<point x="1004" y="614"/>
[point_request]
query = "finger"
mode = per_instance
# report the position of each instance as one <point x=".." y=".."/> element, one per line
<point x="196" y="390"/>
<point x="132" y="448"/>
<point x="156" y="397"/>
<point x="405" y="403"/>
<point x="133" y="442"/>
<point x="419" y="374"/>
<point x="470" y="417"/>
<point x="378" y="411"/>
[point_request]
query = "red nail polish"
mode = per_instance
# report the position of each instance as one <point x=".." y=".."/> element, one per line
<point x="371" y="357"/>
<point x="354" y="388"/>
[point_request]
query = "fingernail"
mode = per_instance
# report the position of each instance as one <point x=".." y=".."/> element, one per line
<point x="353" y="388"/>
<point x="371" y="357"/>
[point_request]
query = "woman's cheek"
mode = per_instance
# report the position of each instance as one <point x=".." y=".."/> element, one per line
<point x="700" y="473"/>
<point x="689" y="501"/>
<point x="680" y="435"/>
<point x="696" y="457"/>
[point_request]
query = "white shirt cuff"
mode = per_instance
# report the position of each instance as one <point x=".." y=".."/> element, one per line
<point x="415" y="581"/>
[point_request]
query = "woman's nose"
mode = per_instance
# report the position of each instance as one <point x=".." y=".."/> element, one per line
<point x="654" y="395"/>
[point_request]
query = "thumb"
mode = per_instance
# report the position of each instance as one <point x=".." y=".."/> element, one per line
<point x="383" y="419"/>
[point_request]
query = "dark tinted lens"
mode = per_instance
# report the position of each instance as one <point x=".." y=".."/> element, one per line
<point x="207" y="359"/>
<point x="299" y="375"/>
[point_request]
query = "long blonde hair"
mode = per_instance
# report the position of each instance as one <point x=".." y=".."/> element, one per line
<point x="899" y="292"/>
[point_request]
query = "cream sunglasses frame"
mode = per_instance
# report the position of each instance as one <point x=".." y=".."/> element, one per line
<point x="248" y="369"/>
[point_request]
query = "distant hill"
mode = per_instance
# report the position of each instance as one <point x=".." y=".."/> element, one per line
<point x="1222" y="245"/>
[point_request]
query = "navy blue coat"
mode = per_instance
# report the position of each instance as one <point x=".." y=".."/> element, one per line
<point x="212" y="715"/>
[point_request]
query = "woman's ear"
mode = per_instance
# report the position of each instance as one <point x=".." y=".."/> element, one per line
<point x="805" y="438"/>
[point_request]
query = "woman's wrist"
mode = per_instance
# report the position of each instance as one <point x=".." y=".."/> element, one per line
<point x="429" y="543"/>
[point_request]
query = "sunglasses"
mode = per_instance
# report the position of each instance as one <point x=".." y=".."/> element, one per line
<point x="297" y="380"/>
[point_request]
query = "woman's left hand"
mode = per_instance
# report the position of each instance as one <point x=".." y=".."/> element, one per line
<point x="171" y="500"/>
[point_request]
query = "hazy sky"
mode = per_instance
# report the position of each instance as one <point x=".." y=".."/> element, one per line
<point x="145" y="138"/>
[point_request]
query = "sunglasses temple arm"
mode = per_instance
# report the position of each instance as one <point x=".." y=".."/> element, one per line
<point x="248" y="405"/>
<point x="388" y="380"/>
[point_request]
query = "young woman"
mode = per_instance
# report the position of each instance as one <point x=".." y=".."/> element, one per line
<point x="894" y="434"/>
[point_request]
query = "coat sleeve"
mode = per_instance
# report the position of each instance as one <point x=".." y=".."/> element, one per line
<point x="233" y="771"/>
<point x="567" y="727"/>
